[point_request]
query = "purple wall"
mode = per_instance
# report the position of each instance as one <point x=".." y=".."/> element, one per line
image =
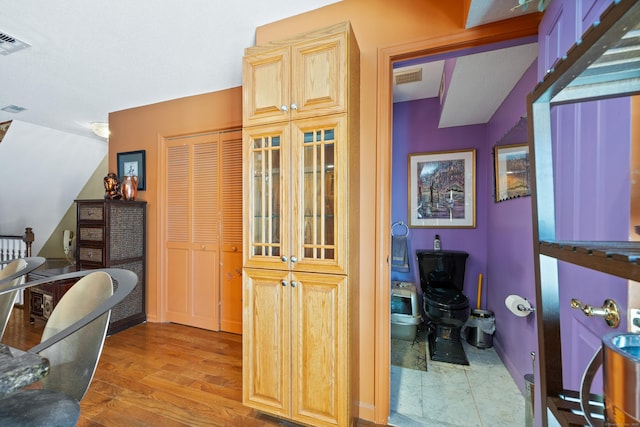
<point x="510" y="267"/>
<point x="415" y="130"/>
<point x="500" y="247"/>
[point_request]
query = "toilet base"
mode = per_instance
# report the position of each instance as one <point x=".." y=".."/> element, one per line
<point x="445" y="345"/>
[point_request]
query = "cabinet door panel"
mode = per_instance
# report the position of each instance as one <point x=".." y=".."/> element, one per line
<point x="266" y="344"/>
<point x="267" y="196"/>
<point x="266" y="87"/>
<point x="319" y="348"/>
<point x="319" y="73"/>
<point x="320" y="238"/>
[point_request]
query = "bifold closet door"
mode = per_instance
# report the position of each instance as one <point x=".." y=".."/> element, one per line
<point x="192" y="233"/>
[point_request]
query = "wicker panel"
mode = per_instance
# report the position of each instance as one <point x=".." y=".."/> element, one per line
<point x="91" y="213"/>
<point x="92" y="234"/>
<point x="126" y="232"/>
<point x="134" y="302"/>
<point x="91" y="254"/>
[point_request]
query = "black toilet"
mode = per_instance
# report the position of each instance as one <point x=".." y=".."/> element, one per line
<point x="446" y="307"/>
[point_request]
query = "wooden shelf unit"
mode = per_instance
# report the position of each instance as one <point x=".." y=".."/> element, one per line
<point x="599" y="66"/>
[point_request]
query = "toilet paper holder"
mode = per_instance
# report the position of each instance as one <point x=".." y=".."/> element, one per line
<point x="518" y="305"/>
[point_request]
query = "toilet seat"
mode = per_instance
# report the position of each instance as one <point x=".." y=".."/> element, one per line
<point x="446" y="298"/>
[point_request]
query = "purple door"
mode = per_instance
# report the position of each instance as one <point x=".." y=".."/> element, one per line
<point x="591" y="170"/>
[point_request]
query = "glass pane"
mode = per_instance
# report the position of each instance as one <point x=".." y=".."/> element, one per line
<point x="318" y="193"/>
<point x="266" y="196"/>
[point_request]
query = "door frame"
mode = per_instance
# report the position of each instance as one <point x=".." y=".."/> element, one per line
<point x="516" y="28"/>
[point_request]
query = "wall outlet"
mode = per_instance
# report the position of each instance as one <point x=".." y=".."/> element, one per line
<point x="634" y="320"/>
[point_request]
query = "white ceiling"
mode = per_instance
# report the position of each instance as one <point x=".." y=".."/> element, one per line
<point x="480" y="82"/>
<point x="89" y="57"/>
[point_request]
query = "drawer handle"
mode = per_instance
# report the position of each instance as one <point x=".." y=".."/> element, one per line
<point x="609" y="311"/>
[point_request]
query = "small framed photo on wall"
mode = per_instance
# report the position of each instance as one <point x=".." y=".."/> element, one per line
<point x="132" y="163"/>
<point x="512" y="171"/>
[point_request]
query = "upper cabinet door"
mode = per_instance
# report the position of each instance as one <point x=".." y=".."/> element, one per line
<point x="265" y="86"/>
<point x="318" y="71"/>
<point x="301" y="79"/>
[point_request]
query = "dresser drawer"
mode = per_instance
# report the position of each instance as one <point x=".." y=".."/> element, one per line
<point x="90" y="212"/>
<point x="91" y="254"/>
<point x="92" y="234"/>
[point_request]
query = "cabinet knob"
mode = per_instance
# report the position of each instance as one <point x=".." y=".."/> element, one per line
<point x="284" y="283"/>
<point x="293" y="259"/>
<point x="294" y="284"/>
<point x="234" y="249"/>
<point x="294" y="106"/>
<point x="284" y="258"/>
<point x="284" y="107"/>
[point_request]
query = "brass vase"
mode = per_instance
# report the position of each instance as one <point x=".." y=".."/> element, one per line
<point x="129" y="187"/>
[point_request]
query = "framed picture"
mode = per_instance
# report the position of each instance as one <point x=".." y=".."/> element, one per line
<point x="512" y="171"/>
<point x="442" y="189"/>
<point x="132" y="164"/>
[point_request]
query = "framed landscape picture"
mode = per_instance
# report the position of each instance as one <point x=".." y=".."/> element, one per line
<point x="442" y="189"/>
<point x="512" y="171"/>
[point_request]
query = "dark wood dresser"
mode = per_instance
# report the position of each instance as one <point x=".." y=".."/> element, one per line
<point x="112" y="233"/>
<point x="43" y="298"/>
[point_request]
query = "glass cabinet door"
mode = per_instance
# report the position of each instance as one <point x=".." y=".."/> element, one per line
<point x="320" y="146"/>
<point x="266" y="157"/>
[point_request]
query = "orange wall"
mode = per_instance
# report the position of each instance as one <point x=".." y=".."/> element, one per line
<point x="143" y="128"/>
<point x="379" y="26"/>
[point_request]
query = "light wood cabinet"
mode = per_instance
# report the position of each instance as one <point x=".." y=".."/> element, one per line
<point x="304" y="77"/>
<point x="301" y="233"/>
<point x="294" y="362"/>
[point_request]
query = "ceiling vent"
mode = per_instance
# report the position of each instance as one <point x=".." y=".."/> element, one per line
<point x="13" y="109"/>
<point x="408" y="76"/>
<point x="9" y="44"/>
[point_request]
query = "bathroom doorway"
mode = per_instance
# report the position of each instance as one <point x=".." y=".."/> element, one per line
<point x="402" y="109"/>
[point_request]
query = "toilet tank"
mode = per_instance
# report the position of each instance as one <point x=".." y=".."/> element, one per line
<point x="441" y="269"/>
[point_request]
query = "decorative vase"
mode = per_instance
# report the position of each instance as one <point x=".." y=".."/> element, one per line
<point x="129" y="187"/>
<point x="112" y="187"/>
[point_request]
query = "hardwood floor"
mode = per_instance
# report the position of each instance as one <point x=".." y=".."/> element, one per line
<point x="161" y="374"/>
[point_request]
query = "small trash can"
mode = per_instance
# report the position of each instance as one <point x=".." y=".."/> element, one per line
<point x="480" y="328"/>
<point x="528" y="403"/>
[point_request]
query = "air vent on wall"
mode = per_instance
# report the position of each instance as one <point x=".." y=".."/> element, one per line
<point x="9" y="44"/>
<point x="408" y="76"/>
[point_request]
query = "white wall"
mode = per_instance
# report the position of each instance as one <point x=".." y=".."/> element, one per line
<point x="42" y="171"/>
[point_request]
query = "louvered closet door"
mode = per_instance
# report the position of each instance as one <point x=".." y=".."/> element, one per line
<point x="231" y="232"/>
<point x="192" y="245"/>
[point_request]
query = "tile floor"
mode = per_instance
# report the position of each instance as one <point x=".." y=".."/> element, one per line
<point x="482" y="394"/>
